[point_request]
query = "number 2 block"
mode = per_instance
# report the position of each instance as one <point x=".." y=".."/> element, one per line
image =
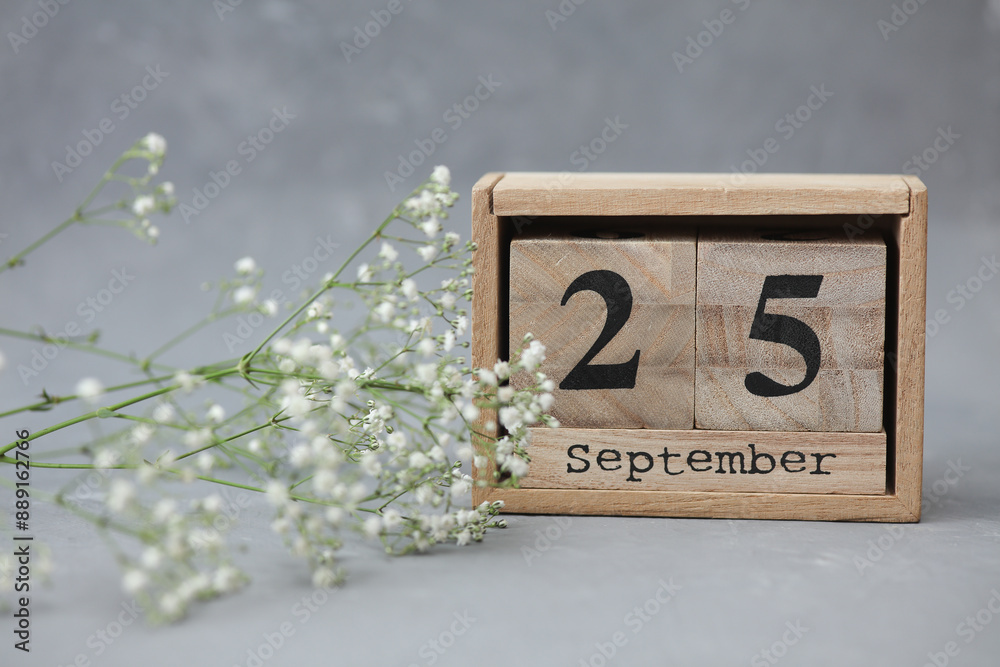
<point x="615" y="310"/>
<point x="790" y="331"/>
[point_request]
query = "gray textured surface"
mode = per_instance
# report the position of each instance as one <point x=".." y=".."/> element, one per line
<point x="740" y="581"/>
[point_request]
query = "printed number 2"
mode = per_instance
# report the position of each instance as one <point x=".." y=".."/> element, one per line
<point x="618" y="300"/>
<point x="786" y="330"/>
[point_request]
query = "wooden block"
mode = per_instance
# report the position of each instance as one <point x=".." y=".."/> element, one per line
<point x="615" y="310"/>
<point x="895" y="207"/>
<point x="709" y="461"/>
<point x="791" y="330"/>
<point x="593" y="193"/>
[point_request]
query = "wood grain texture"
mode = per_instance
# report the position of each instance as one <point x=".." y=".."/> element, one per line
<point x="910" y="233"/>
<point x="905" y="326"/>
<point x="702" y="504"/>
<point x="847" y="317"/>
<point x="658" y="296"/>
<point x="530" y="193"/>
<point x="490" y="261"/>
<point x="694" y="460"/>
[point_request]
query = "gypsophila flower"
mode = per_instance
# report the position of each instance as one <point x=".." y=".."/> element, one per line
<point x="89" y="389"/>
<point x="388" y="253"/>
<point x="441" y="175"/>
<point x="244" y="295"/>
<point x="428" y="252"/>
<point x="155" y="144"/>
<point x="121" y="496"/>
<point x="245" y="266"/>
<point x="143" y="205"/>
<point x="215" y="413"/>
<point x="350" y="423"/>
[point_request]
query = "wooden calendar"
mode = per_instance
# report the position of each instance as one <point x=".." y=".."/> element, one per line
<point x="719" y="349"/>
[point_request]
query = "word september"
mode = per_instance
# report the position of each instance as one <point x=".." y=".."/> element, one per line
<point x="698" y="460"/>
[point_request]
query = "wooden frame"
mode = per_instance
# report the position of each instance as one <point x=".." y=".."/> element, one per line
<point x="502" y="204"/>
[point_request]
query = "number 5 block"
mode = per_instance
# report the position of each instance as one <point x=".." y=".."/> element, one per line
<point x="615" y="310"/>
<point x="790" y="331"/>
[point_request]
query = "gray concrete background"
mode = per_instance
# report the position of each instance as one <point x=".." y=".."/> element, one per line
<point x="741" y="582"/>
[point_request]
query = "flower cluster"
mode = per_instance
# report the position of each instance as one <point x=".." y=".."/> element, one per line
<point x="366" y="424"/>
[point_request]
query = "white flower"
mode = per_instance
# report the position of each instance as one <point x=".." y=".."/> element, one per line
<point x="384" y="311"/>
<point x="152" y="558"/>
<point x="155" y="144"/>
<point x="245" y="265"/>
<point x="409" y="287"/>
<point x="89" y="389"/>
<point x="364" y="273"/>
<point x="187" y="381"/>
<point x="427" y="347"/>
<point x="143" y="205"/>
<point x="428" y="252"/>
<point x="448" y="300"/>
<point x="300" y="456"/>
<point x="533" y="356"/>
<point x="205" y="462"/>
<point x="226" y="579"/>
<point x="502" y="369"/>
<point x="324" y="577"/>
<point x="426" y="373"/>
<point x="373" y="526"/>
<point x="216" y="413"/>
<point x="419" y="460"/>
<point x="448" y="341"/>
<point x="244" y="294"/>
<point x="487" y="377"/>
<point x="324" y="482"/>
<point x="430" y="227"/>
<point x="167" y="188"/>
<point x="388" y="252"/>
<point x="463" y="538"/>
<point x="461" y="323"/>
<point x="153" y="232"/>
<point x="134" y="581"/>
<point x="334" y="516"/>
<point x="164" y="509"/>
<point x="451" y="239"/>
<point x="198" y="438"/>
<point x="441" y="175"/>
<point x="510" y="417"/>
<point x="461" y="486"/>
<point x="142" y="434"/>
<point x="277" y="493"/>
<point x="269" y="307"/>
<point x="516" y="466"/>
<point x="121" y="495"/>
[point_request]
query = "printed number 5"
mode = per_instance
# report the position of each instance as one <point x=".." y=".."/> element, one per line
<point x="618" y="300"/>
<point x="786" y="330"/>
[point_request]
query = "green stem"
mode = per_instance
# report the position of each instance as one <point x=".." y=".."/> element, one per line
<point x="19" y="257"/>
<point x="114" y="408"/>
<point x="85" y="347"/>
<point x="357" y="251"/>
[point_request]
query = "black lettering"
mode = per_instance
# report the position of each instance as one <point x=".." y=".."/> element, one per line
<point x="819" y="461"/>
<point x="732" y="463"/>
<point x="632" y="469"/>
<point x="704" y="457"/>
<point x="754" y="456"/>
<point x="601" y="459"/>
<point x="666" y="456"/>
<point x="586" y="463"/>
<point x="786" y="459"/>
